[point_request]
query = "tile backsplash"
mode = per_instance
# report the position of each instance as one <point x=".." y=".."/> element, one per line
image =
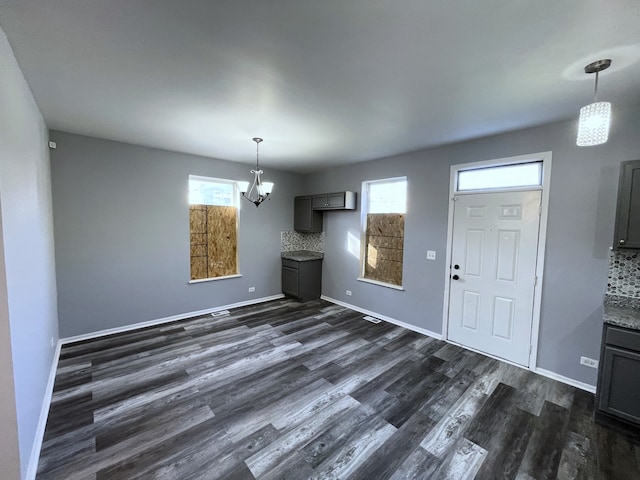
<point x="624" y="274"/>
<point x="291" y="241"/>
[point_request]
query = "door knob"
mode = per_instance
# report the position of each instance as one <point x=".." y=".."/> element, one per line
<point x="622" y="242"/>
<point x="456" y="267"/>
<point x="456" y="277"/>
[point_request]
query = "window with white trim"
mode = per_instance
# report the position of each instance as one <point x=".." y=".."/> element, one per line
<point x="213" y="227"/>
<point x="383" y="217"/>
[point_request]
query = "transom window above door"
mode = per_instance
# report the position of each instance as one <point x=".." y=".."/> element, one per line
<point x="518" y="175"/>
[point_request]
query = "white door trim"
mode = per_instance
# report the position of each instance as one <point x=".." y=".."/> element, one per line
<point x="545" y="157"/>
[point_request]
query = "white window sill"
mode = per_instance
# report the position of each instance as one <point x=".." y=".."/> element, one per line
<point x="215" y="278"/>
<point x="382" y="284"/>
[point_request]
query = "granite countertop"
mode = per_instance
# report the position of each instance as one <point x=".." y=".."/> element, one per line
<point x="302" y="255"/>
<point x="622" y="311"/>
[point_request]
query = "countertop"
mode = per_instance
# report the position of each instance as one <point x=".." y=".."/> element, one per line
<point x="622" y="311"/>
<point x="302" y="255"/>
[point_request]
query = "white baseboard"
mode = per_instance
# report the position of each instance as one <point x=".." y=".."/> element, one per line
<point x="173" y="318"/>
<point x="408" y="326"/>
<point x="32" y="467"/>
<point x="540" y="371"/>
<point x="567" y="380"/>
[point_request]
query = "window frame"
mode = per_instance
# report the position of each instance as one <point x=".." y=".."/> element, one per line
<point x="364" y="211"/>
<point x="236" y="204"/>
<point x="509" y="162"/>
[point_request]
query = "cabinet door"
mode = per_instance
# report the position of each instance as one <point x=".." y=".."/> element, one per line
<point x="305" y="219"/>
<point x="336" y="200"/>
<point x="620" y="388"/>
<point x="320" y="201"/>
<point x="628" y="211"/>
<point x="329" y="201"/>
<point x="310" y="280"/>
<point x="290" y="281"/>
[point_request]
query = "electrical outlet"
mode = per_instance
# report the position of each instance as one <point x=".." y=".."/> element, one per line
<point x="589" y="362"/>
<point x="252" y="289"/>
<point x="348" y="293"/>
<point x="431" y="255"/>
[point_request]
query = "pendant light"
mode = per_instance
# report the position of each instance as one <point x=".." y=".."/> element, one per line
<point x="259" y="190"/>
<point x="595" y="118"/>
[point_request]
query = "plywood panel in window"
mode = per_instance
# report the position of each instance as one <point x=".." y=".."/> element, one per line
<point x="198" y="219"/>
<point x="213" y="241"/>
<point x="384" y="247"/>
<point x="198" y="268"/>
<point x="221" y="240"/>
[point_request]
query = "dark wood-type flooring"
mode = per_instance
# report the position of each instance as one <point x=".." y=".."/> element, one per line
<point x="288" y="390"/>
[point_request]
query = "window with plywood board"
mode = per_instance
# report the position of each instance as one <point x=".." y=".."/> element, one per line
<point x="213" y="228"/>
<point x="383" y="217"/>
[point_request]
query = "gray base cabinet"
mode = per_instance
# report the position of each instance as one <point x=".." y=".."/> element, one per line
<point x="618" y="392"/>
<point x="302" y="280"/>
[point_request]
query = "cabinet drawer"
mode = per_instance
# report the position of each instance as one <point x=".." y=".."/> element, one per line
<point x="290" y="263"/>
<point x="622" y="337"/>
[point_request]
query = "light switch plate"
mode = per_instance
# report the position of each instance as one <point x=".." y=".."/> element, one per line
<point x="431" y="254"/>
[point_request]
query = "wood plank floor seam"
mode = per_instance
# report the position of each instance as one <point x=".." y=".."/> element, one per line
<point x="287" y="390"/>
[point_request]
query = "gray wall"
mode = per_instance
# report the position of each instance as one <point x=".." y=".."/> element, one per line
<point x="28" y="321"/>
<point x="580" y="231"/>
<point x="122" y="233"/>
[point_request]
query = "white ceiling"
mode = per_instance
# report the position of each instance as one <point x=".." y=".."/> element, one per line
<point x="324" y="82"/>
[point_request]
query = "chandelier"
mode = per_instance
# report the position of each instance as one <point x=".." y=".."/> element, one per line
<point x="259" y="190"/>
<point x="595" y="118"/>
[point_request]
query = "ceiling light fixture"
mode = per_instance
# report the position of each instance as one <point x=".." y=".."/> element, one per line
<point x="259" y="190"/>
<point x="595" y="118"/>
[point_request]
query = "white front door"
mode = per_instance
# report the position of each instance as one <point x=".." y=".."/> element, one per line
<point x="493" y="272"/>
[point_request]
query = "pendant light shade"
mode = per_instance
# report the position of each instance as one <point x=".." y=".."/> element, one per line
<point x="594" y="123"/>
<point x="595" y="118"/>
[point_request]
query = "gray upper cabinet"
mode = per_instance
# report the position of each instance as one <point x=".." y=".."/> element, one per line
<point x="335" y="201"/>
<point x="305" y="218"/>
<point x="627" y="227"/>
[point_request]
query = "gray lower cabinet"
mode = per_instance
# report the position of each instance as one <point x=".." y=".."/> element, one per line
<point x="618" y="392"/>
<point x="627" y="234"/>
<point x="302" y="280"/>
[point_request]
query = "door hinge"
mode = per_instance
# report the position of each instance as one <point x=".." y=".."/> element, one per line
<point x="540" y="209"/>
<point x="535" y="281"/>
